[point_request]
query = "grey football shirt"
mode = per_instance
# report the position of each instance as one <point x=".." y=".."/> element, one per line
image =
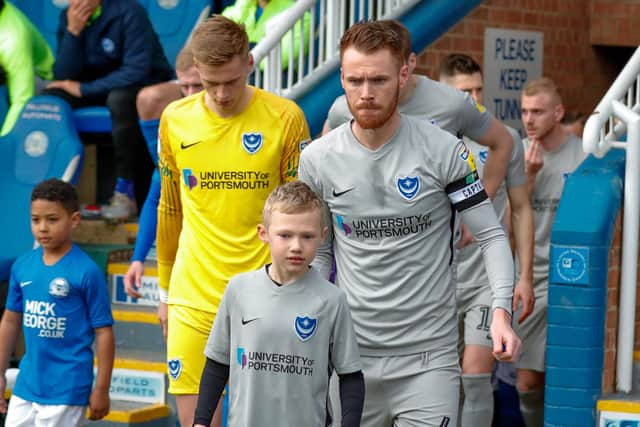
<point x="453" y="110"/>
<point x="391" y="214"/>
<point x="470" y="271"/>
<point x="557" y="166"/>
<point x="280" y="342"/>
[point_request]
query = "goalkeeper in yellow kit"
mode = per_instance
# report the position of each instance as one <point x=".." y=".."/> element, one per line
<point x="222" y="151"/>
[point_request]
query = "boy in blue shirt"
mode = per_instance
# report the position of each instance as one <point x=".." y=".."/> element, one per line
<point x="60" y="297"/>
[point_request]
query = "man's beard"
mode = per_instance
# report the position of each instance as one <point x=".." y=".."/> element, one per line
<point x="376" y="121"/>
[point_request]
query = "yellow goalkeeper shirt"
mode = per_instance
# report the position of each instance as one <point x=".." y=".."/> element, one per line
<point x="216" y="174"/>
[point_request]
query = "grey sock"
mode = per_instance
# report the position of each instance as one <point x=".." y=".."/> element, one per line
<point x="477" y="409"/>
<point x="532" y="407"/>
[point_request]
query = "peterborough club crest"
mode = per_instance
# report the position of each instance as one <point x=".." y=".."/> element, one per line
<point x="305" y="327"/>
<point x="252" y="142"/>
<point x="408" y="186"/>
<point x="59" y="287"/>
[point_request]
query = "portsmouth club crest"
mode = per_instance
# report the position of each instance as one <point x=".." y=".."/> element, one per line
<point x="305" y="327"/>
<point x="408" y="186"/>
<point x="175" y="368"/>
<point x="483" y="156"/>
<point x="252" y="142"/>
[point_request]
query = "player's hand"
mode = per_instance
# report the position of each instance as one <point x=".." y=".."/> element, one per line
<point x="506" y="344"/>
<point x="533" y="161"/>
<point x="466" y="237"/>
<point x="162" y="316"/>
<point x="70" y="86"/>
<point x="3" y="386"/>
<point x="523" y="294"/>
<point x="78" y="14"/>
<point x="98" y="404"/>
<point x="132" y="279"/>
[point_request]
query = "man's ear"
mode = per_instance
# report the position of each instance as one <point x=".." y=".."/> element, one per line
<point x="413" y="61"/>
<point x="250" y="63"/>
<point x="404" y="75"/>
<point x="559" y="112"/>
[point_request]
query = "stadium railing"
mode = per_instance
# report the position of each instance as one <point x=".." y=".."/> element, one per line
<point x="328" y="20"/>
<point x="615" y="115"/>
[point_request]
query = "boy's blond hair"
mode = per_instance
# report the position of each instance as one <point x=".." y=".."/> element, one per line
<point x="291" y="198"/>
<point x="217" y="40"/>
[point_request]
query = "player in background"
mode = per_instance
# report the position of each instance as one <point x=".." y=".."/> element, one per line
<point x="552" y="153"/>
<point x="473" y="291"/>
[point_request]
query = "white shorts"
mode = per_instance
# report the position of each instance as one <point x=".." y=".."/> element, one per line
<point x="23" y="413"/>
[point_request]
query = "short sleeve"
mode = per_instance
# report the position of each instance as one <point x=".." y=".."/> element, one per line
<point x="475" y="118"/>
<point x="345" y="356"/>
<point x="97" y="298"/>
<point x="515" y="170"/>
<point x="463" y="184"/>
<point x="14" y="296"/>
<point x="219" y="342"/>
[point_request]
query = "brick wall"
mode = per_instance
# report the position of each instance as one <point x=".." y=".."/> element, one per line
<point x="611" y="324"/>
<point x="583" y="71"/>
<point x="615" y="22"/>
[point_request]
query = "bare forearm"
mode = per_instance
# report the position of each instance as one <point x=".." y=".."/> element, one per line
<point x="105" y="351"/>
<point x="522" y="220"/>
<point x="9" y="330"/>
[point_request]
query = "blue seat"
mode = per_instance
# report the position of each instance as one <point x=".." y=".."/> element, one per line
<point x="173" y="21"/>
<point x="43" y="144"/>
<point x="44" y="14"/>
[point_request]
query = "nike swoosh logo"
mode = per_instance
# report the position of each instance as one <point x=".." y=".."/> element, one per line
<point x="23" y="284"/>
<point x="183" y="145"/>
<point x="244" y="322"/>
<point x="340" y="193"/>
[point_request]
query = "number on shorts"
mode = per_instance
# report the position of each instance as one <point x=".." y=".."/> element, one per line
<point x="484" y="322"/>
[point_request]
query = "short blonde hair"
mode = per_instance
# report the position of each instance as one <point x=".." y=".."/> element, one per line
<point x="542" y="85"/>
<point x="217" y="40"/>
<point x="184" y="60"/>
<point x="291" y="198"/>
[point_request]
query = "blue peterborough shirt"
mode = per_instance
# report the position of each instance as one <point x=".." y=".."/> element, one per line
<point x="61" y="305"/>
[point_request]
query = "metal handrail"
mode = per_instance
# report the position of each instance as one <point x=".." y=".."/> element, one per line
<point x="616" y="114"/>
<point x="600" y="131"/>
<point x="328" y="19"/>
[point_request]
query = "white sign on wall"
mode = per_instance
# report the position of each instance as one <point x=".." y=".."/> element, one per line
<point x="618" y="419"/>
<point x="511" y="58"/>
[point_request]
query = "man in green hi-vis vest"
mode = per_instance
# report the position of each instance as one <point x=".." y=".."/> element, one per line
<point x="24" y="54"/>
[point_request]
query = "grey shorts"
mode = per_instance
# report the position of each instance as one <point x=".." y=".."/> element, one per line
<point x="420" y="389"/>
<point x="474" y="316"/>
<point x="533" y="333"/>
